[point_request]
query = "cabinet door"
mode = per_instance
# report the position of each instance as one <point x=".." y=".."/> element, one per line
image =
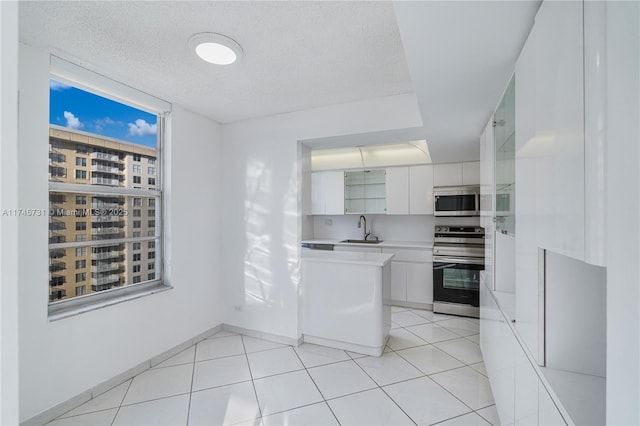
<point x="397" y="189"/>
<point x="421" y="190"/>
<point x="447" y="174"/>
<point x="471" y="173"/>
<point x="317" y="193"/>
<point x="333" y="192"/>
<point x="398" y="281"/>
<point x="420" y="282"/>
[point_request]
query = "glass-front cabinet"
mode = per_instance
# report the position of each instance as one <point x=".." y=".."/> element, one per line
<point x="365" y="192"/>
<point x="505" y="169"/>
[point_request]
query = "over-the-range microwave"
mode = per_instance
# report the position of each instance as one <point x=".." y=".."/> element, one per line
<point x="456" y="200"/>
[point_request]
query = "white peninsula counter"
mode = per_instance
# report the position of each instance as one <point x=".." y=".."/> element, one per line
<point x="345" y="300"/>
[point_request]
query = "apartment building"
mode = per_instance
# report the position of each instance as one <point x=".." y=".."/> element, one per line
<point x="103" y="219"/>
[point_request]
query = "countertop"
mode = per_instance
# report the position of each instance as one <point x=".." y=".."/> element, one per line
<point x="353" y="258"/>
<point x="427" y="245"/>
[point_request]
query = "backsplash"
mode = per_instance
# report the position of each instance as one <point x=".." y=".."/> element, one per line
<point x="386" y="227"/>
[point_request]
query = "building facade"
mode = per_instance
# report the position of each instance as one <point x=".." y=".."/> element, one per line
<point x="104" y="219"/>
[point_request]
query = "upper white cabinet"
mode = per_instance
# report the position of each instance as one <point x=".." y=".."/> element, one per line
<point x="421" y="190"/>
<point x="327" y="193"/>
<point x="447" y="174"/>
<point x="456" y="174"/>
<point x="471" y="173"/>
<point x="398" y="190"/>
<point x="410" y="190"/>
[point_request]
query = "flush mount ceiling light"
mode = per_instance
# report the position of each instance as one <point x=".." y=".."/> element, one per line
<point x="215" y="48"/>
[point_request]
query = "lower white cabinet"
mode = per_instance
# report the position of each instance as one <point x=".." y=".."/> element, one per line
<point x="411" y="276"/>
<point x="360" y="248"/>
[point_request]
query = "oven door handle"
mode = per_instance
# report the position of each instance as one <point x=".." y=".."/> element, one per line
<point x="463" y="260"/>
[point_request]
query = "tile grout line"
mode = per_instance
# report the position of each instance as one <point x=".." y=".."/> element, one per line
<point x="253" y="384"/>
<point x="316" y="385"/>
<point x="193" y="376"/>
<point x="123" y="398"/>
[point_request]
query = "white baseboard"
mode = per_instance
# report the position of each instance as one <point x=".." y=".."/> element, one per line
<point x="264" y="336"/>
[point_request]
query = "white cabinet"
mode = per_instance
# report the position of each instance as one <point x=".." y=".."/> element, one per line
<point x="327" y="193"/>
<point x="410" y="190"/>
<point x="456" y="174"/>
<point x="471" y="173"/>
<point x="397" y="190"/>
<point x="421" y="190"/>
<point x="447" y="174"/>
<point x="411" y="276"/>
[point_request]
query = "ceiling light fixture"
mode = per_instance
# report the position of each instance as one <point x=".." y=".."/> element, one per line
<point x="215" y="48"/>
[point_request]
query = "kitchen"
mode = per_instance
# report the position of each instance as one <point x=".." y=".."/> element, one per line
<point x="256" y="205"/>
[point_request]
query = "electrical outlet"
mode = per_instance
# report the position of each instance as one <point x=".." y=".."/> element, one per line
<point x="238" y="308"/>
<point x="328" y="222"/>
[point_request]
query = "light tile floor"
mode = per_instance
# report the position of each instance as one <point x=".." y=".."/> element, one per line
<point x="431" y="373"/>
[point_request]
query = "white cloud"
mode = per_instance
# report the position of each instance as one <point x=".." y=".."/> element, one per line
<point x="141" y="128"/>
<point x="57" y="86"/>
<point x="73" y="122"/>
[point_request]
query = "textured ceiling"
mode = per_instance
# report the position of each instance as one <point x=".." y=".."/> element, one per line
<point x="298" y="55"/>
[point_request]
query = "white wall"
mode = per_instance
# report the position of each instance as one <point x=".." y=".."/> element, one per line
<point x="623" y="213"/>
<point x="388" y="228"/>
<point x="262" y="206"/>
<point x="61" y="359"/>
<point x="8" y="224"/>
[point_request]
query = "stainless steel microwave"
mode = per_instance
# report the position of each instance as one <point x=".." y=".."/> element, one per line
<point x="456" y="201"/>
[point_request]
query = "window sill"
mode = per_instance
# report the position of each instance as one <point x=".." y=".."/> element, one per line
<point x="80" y="305"/>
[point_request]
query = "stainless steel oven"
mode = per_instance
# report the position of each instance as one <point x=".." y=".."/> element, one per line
<point x="458" y="258"/>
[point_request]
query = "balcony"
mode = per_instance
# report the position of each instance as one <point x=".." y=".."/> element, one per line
<point x="104" y="157"/>
<point x="98" y="180"/>
<point x="57" y="266"/>
<point x="112" y="279"/>
<point x="106" y="218"/>
<point x="104" y="168"/>
<point x="56" y="281"/>
<point x="56" y="239"/>
<point x="57" y="253"/>
<point x="104" y="267"/>
<point x="106" y="230"/>
<point x="105" y="255"/>
<point x="57" y="295"/>
<point x="56" y="225"/>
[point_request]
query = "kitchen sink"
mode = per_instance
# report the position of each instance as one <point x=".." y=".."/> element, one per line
<point x="362" y="241"/>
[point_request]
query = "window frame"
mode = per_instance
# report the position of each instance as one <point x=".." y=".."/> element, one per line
<point x="84" y="79"/>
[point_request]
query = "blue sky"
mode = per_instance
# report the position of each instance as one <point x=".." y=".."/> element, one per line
<point x="76" y="109"/>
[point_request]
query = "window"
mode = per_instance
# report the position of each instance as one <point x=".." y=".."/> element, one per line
<point x="104" y="243"/>
<point x="151" y="255"/>
<point x="152" y="181"/>
<point x="152" y="244"/>
<point x="151" y="233"/>
<point x="151" y="266"/>
<point x="151" y="213"/>
<point x="151" y="276"/>
<point x="152" y="224"/>
<point x="152" y="161"/>
<point x="152" y="170"/>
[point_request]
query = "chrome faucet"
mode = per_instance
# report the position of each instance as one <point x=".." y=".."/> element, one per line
<point x="365" y="234"/>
